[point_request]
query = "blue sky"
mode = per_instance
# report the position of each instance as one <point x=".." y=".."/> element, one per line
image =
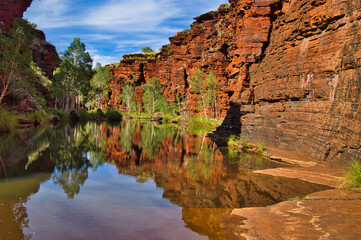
<point x="112" y="28"/>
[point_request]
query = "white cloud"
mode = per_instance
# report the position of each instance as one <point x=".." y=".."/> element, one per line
<point x="115" y="27"/>
<point x="104" y="60"/>
<point x="130" y="16"/>
<point x="113" y="16"/>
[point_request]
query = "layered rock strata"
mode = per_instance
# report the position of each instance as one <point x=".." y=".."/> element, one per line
<point x="288" y="72"/>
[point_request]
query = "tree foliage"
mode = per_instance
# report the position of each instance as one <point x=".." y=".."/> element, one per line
<point x="99" y="87"/>
<point x="17" y="76"/>
<point x="154" y="100"/>
<point x="128" y="96"/>
<point x="207" y="88"/>
<point x="147" y="49"/>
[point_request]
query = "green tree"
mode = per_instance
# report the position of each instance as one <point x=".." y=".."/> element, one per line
<point x="147" y="49"/>
<point x="211" y="93"/>
<point x="153" y="99"/>
<point x="207" y="89"/>
<point x="128" y="95"/>
<point x="72" y="78"/>
<point x="198" y="87"/>
<point x="16" y="74"/>
<point x="100" y="86"/>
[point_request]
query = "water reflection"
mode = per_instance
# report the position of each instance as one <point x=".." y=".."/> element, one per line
<point x="193" y="173"/>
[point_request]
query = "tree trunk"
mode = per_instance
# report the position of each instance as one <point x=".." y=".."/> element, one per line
<point x="215" y="104"/>
<point x="56" y="103"/>
<point x="204" y="106"/>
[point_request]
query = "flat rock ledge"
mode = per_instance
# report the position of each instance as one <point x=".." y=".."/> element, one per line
<point x="330" y="214"/>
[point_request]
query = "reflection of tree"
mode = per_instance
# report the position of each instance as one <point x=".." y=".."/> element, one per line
<point x="203" y="163"/>
<point x="75" y="150"/>
<point x="19" y="149"/>
<point x="14" y="195"/>
<point x="152" y="137"/>
<point x="126" y="135"/>
<point x="71" y="181"/>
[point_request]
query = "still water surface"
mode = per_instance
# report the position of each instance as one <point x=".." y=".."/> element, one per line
<point x="130" y="181"/>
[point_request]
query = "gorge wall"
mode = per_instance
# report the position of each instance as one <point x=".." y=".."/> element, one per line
<point x="11" y="9"/>
<point x="44" y="53"/>
<point x="288" y="72"/>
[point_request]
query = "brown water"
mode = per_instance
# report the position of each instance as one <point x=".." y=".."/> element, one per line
<point x="130" y="181"/>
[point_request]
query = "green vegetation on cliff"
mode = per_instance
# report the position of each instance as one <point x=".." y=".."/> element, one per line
<point x="17" y="77"/>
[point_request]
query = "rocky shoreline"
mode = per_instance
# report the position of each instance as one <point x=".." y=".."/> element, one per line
<point x="329" y="214"/>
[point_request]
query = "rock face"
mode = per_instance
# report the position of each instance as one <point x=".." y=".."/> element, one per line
<point x="11" y="9"/>
<point x="45" y="54"/>
<point x="288" y="72"/>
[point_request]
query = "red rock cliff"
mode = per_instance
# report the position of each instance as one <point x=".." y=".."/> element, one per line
<point x="44" y="53"/>
<point x="288" y="71"/>
<point x="11" y="9"/>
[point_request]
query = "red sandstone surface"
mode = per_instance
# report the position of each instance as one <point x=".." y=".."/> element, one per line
<point x="332" y="219"/>
<point x="288" y="72"/>
<point x="11" y="9"/>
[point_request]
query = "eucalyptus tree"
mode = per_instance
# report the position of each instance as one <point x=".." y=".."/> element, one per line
<point x="99" y="86"/>
<point x="153" y="96"/>
<point x="128" y="96"/>
<point x="72" y="78"/>
<point x="207" y="88"/>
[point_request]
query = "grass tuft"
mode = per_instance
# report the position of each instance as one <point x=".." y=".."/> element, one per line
<point x="353" y="174"/>
<point x="238" y="142"/>
<point x="260" y="148"/>
<point x="200" y="121"/>
<point x="8" y="121"/>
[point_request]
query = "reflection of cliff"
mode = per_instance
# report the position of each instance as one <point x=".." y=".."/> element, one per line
<point x="191" y="169"/>
<point x="25" y="152"/>
<point x="193" y="174"/>
<point x="13" y="196"/>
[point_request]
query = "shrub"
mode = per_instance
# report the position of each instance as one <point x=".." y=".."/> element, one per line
<point x="84" y="115"/>
<point x="177" y="119"/>
<point x="113" y="115"/>
<point x="63" y="115"/>
<point x="238" y="142"/>
<point x="166" y="118"/>
<point x="260" y="147"/>
<point x="38" y="116"/>
<point x="200" y="121"/>
<point x="8" y="121"/>
<point x="96" y="114"/>
<point x="233" y="141"/>
<point x="147" y="49"/>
